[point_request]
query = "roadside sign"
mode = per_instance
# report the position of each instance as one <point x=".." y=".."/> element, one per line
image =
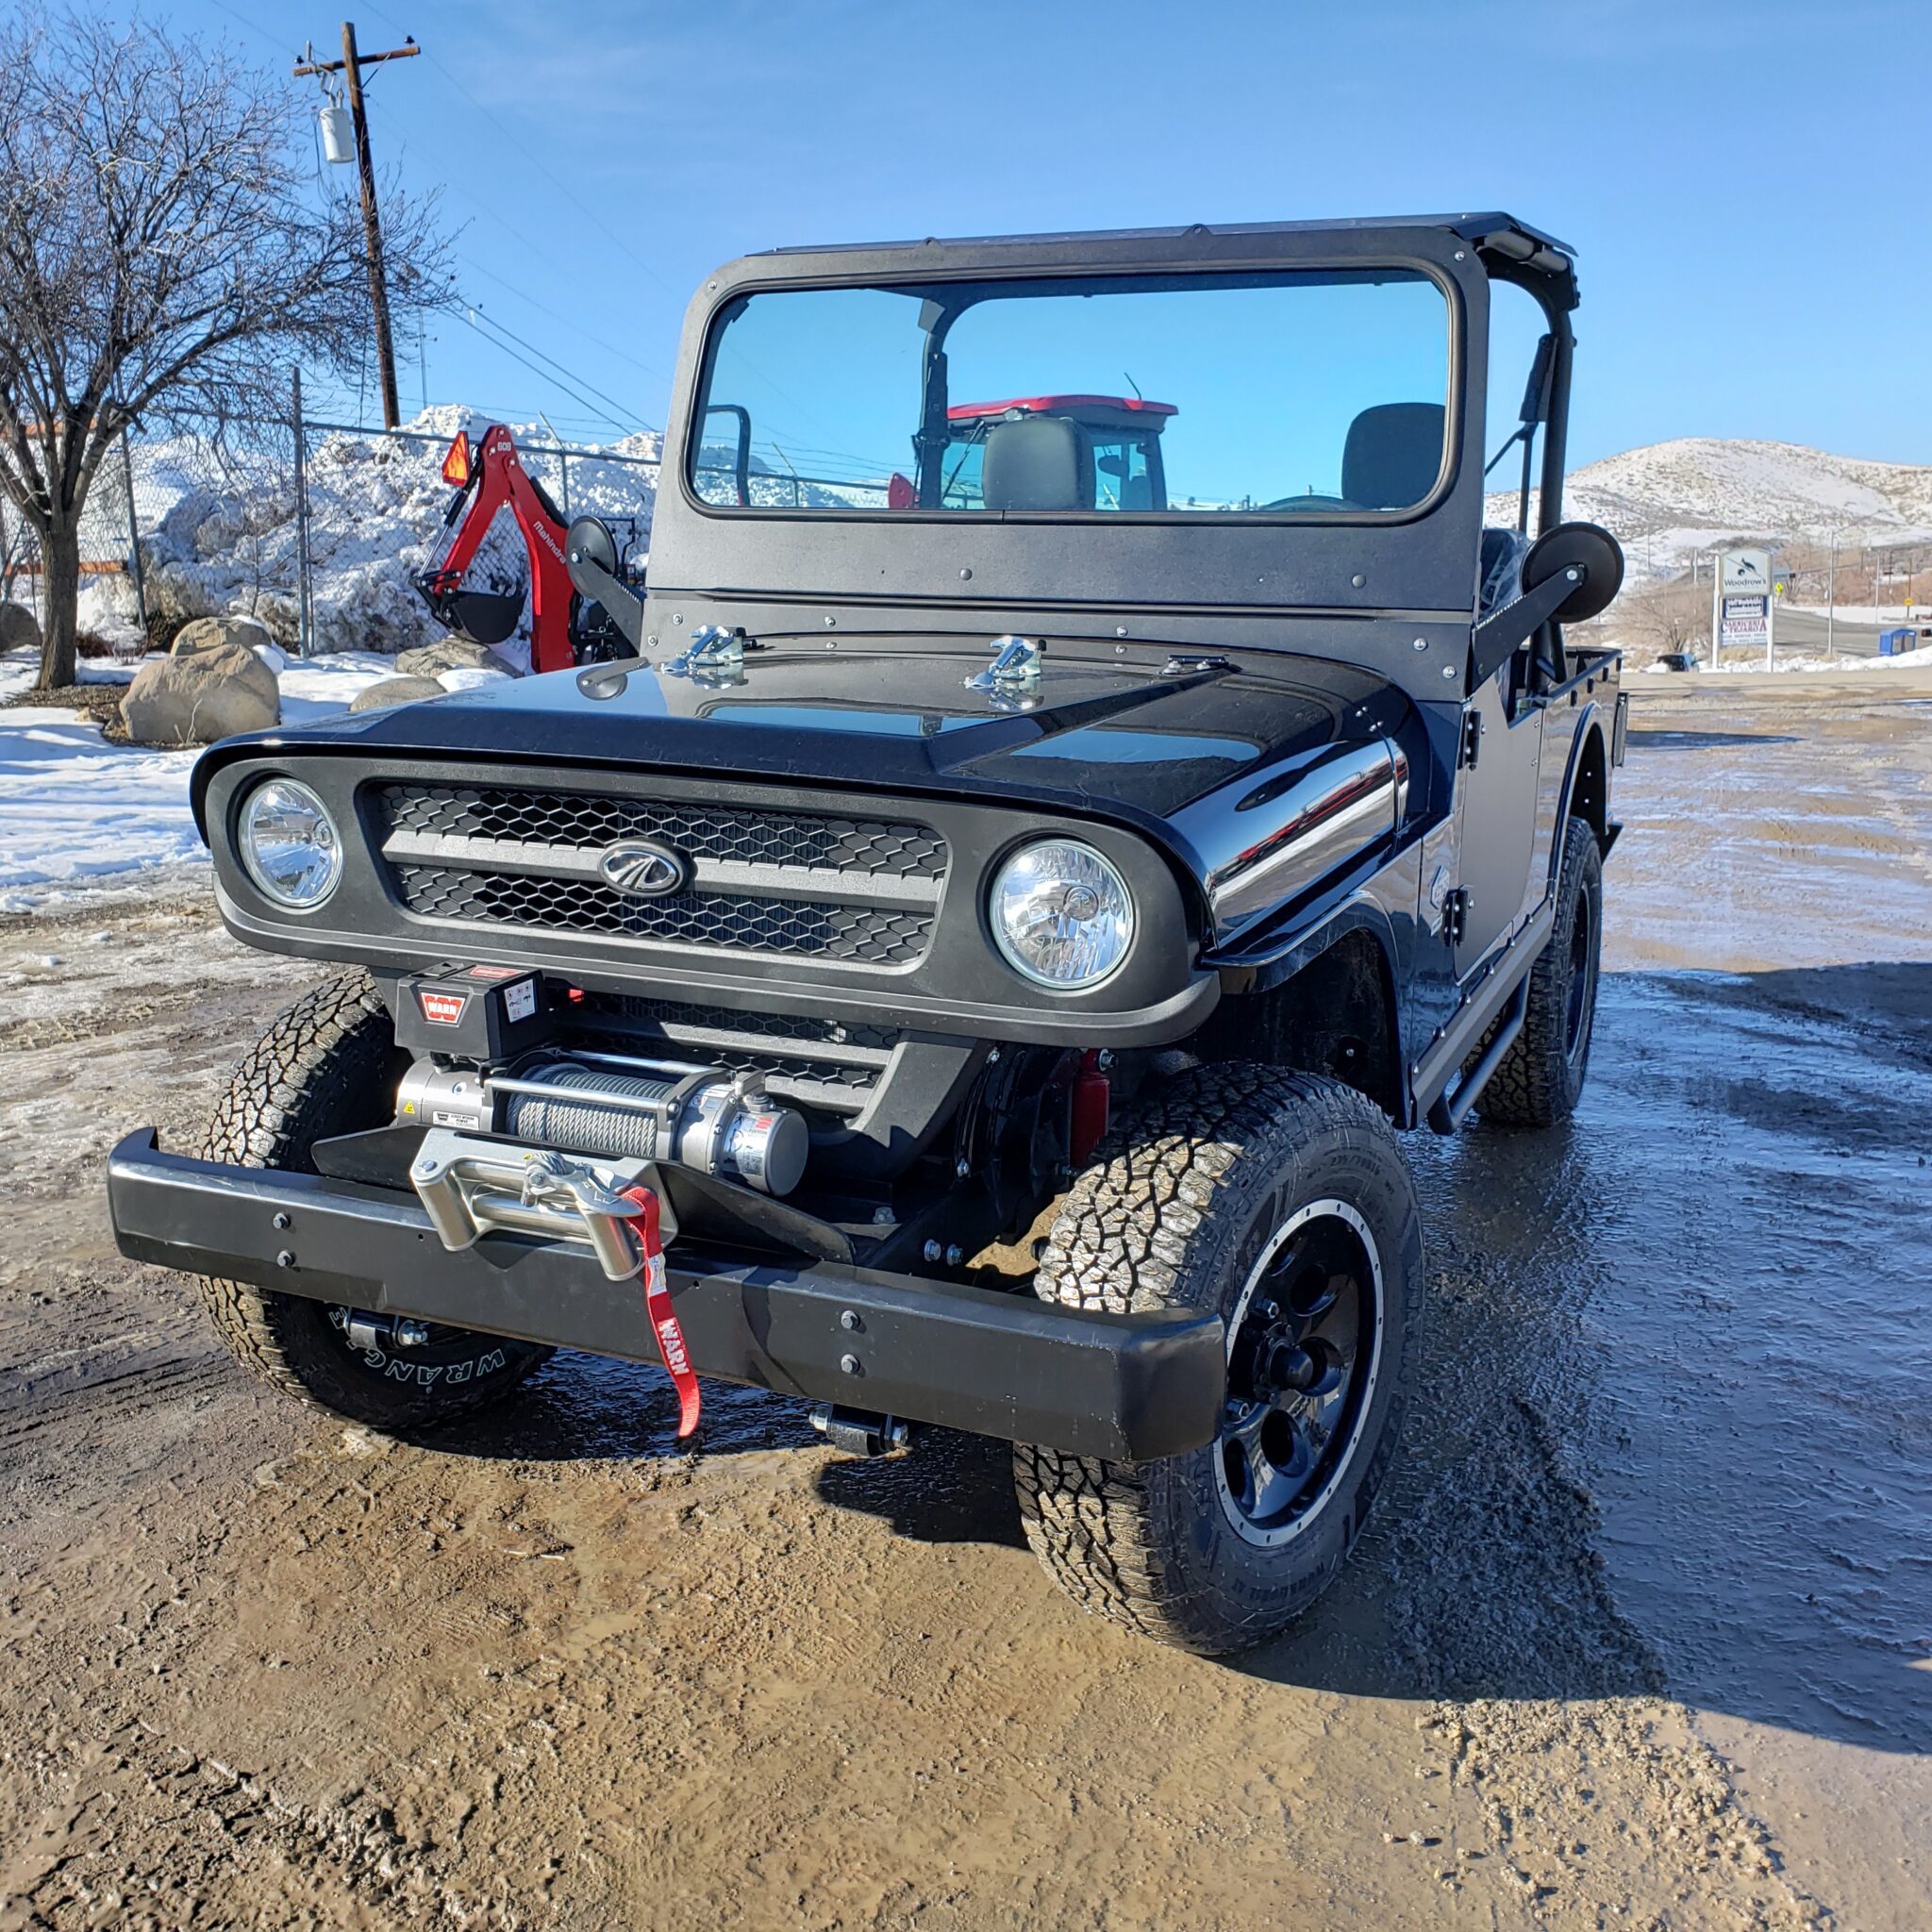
<point x="1741" y="604"/>
<point x="1744" y="574"/>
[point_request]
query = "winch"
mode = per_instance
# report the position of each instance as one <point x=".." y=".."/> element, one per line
<point x="705" y="1118"/>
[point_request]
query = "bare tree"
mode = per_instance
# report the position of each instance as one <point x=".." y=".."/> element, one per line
<point x="1673" y="616"/>
<point x="160" y="254"/>
<point x="16" y="547"/>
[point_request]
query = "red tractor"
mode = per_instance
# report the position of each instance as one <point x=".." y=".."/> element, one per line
<point x="1120" y="437"/>
<point x="566" y="627"/>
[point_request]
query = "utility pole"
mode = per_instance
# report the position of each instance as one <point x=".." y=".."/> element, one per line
<point x="350" y="66"/>
<point x="1831" y="603"/>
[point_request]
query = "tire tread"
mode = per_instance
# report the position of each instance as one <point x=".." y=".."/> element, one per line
<point x="1123" y="1241"/>
<point x="294" y="1086"/>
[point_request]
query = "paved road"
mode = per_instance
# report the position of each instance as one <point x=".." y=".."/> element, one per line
<point x="1805" y="631"/>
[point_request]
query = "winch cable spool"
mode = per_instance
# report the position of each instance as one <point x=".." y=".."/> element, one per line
<point x="698" y="1117"/>
<point x="585" y="1126"/>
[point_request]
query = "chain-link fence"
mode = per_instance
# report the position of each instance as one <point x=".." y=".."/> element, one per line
<point x="372" y="511"/>
<point x="315" y="529"/>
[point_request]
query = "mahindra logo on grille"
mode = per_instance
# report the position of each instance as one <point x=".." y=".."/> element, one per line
<point x="643" y="869"/>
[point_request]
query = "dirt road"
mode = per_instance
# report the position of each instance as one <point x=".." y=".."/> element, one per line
<point x="1641" y="1634"/>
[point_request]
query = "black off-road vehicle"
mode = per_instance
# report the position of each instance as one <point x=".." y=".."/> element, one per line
<point x="1076" y="829"/>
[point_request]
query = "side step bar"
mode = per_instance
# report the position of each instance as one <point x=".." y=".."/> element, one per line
<point x="1505" y="990"/>
<point x="1450" y="1108"/>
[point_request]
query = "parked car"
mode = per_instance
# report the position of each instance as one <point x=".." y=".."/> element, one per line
<point x="1116" y="870"/>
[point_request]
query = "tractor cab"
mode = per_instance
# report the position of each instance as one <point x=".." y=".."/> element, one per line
<point x="1115" y="440"/>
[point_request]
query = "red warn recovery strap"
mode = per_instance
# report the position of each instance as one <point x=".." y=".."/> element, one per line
<point x="662" y="1315"/>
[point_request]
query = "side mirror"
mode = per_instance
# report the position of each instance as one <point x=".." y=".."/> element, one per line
<point x="1586" y="548"/>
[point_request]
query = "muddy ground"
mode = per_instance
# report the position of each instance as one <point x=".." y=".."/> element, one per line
<point x="1641" y="1634"/>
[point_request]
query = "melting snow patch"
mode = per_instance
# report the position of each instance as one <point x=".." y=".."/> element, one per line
<point x="75" y="809"/>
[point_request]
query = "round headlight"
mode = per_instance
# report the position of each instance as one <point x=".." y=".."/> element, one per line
<point x="1062" y="914"/>
<point x="289" y="844"/>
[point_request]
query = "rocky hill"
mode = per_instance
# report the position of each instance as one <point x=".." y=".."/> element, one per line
<point x="1668" y="500"/>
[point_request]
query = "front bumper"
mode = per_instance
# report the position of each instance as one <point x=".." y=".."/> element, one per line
<point x="1130" y="1388"/>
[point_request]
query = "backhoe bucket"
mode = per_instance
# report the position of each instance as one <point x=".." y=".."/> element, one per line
<point x="485" y="617"/>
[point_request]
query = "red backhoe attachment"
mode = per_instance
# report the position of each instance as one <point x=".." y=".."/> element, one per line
<point x="488" y="474"/>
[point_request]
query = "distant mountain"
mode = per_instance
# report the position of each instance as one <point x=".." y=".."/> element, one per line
<point x="1668" y="500"/>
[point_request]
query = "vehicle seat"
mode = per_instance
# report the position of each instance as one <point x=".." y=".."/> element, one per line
<point x="1499" y="570"/>
<point x="1037" y="462"/>
<point x="1393" y="454"/>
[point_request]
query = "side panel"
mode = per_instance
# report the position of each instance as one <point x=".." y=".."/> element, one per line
<point x="1561" y="725"/>
<point x="1497" y="825"/>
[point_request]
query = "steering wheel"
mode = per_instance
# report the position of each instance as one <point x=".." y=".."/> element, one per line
<point x="1312" y="503"/>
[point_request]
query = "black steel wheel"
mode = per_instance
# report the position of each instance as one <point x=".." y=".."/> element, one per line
<point x="1304" y="1346"/>
<point x="1543" y="1075"/>
<point x="329" y="1065"/>
<point x="1280" y="1201"/>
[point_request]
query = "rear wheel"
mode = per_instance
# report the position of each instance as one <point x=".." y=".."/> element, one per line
<point x="329" y="1065"/>
<point x="1541" y="1077"/>
<point x="1281" y="1203"/>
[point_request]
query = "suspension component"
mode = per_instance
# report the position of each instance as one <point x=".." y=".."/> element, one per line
<point x="859" y="1431"/>
<point x="364" y="1331"/>
<point x="699" y="1117"/>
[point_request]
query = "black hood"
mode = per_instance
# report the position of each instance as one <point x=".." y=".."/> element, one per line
<point x="1137" y="738"/>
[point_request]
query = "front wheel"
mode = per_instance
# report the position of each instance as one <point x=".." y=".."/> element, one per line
<point x="328" y="1065"/>
<point x="1280" y="1202"/>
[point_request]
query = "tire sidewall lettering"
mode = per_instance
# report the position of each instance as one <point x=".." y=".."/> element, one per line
<point x="398" y="1368"/>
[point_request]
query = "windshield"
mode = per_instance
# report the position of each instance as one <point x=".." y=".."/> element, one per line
<point x="1237" y="395"/>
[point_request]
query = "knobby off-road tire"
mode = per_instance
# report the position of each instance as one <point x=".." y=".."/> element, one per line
<point x="1203" y="1198"/>
<point x="1542" y="1077"/>
<point x="329" y="1065"/>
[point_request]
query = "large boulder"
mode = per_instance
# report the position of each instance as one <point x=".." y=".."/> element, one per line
<point x="395" y="690"/>
<point x="218" y="634"/>
<point x="20" y="630"/>
<point x="198" y="697"/>
<point x="448" y="653"/>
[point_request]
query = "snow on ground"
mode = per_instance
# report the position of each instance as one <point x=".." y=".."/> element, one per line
<point x="76" y="811"/>
<point x="79" y="814"/>
<point x="1754" y="662"/>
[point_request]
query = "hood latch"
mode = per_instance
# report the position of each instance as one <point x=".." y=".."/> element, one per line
<point x="1015" y="670"/>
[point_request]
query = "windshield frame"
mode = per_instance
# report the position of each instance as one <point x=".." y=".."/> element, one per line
<point x="1339" y="269"/>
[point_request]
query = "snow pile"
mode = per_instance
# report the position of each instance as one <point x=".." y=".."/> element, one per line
<point x="1668" y="501"/>
<point x="219" y="537"/>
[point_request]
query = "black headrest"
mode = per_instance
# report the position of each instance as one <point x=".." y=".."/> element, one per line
<point x="1393" y="454"/>
<point x="1037" y="462"/>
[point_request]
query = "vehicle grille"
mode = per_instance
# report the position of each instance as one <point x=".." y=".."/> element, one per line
<point x="744" y="834"/>
<point x="859" y="891"/>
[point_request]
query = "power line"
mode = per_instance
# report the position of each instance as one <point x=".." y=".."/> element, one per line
<point x="601" y="222"/>
<point x="473" y="318"/>
<point x="544" y="309"/>
<point x="582" y="381"/>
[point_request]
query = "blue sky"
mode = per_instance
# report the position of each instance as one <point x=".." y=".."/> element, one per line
<point x="1747" y="187"/>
